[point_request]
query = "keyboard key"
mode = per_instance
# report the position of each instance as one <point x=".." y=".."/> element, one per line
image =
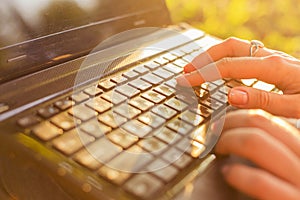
<point x="116" y="176"/>
<point x="130" y="162"/>
<point x="152" y="79"/>
<point x="48" y="111"/>
<point x="80" y="97"/>
<point x="135" y="149"/>
<point x="248" y="82"/>
<point x="183" y="161"/>
<point x="277" y="91"/>
<point x="172" y="155"/>
<point x="171" y="83"/>
<point x="177" y="158"/>
<point x="208" y="86"/>
<point x="211" y="103"/>
<point x="191" y="147"/>
<point x="119" y="79"/>
<point x="161" y="60"/>
<point x="191" y="118"/>
<point x="176" y="104"/>
<point x="140" y="84"/>
<point x="141" y="69"/>
<point x="180" y="127"/>
<point x="219" y="82"/>
<point x="164" y="74"/>
<point x="130" y="74"/>
<point x="127" y="90"/>
<point x="46" y="131"/>
<point x="169" y="56"/>
<point x="196" y="149"/>
<point x="196" y="53"/>
<point x="111" y="119"/>
<point x="114" y="97"/>
<point x="143" y="185"/>
<point x="72" y="141"/>
<point x="233" y="83"/>
<point x="188" y="58"/>
<point x="122" y="138"/>
<point x="86" y="159"/>
<point x="220" y="97"/>
<point x="99" y="105"/>
<point x="103" y="150"/>
<point x="152" y="120"/>
<point x="127" y="111"/>
<point x="29" y="120"/>
<point x="263" y="86"/>
<point x="191" y="100"/>
<point x="178" y="52"/>
<point x="93" y="91"/>
<point x="173" y="68"/>
<point x="189" y="48"/>
<point x="201" y="93"/>
<point x="167" y="135"/>
<point x="151" y="65"/>
<point x="180" y="63"/>
<point x="153" y="97"/>
<point x="82" y="112"/>
<point x="107" y="85"/>
<point x="137" y="128"/>
<point x="164" y="90"/>
<point x="164" y="111"/>
<point x="95" y="128"/>
<point x="225" y="89"/>
<point x="65" y="121"/>
<point x="141" y="104"/>
<point x="64" y="104"/>
<point x="199" y="134"/>
<point x="153" y="145"/>
<point x="184" y="144"/>
<point x="202" y="110"/>
<point x="163" y="170"/>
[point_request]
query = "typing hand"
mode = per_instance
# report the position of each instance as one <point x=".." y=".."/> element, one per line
<point x="232" y="59"/>
<point x="269" y="142"/>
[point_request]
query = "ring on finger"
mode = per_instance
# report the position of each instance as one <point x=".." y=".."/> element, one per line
<point x="255" y="45"/>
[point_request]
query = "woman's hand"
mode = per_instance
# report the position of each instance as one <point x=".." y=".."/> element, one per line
<point x="270" y="143"/>
<point x="231" y="59"/>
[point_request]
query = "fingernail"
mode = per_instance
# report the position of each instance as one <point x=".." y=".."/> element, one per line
<point x="238" y="97"/>
<point x="187" y="68"/>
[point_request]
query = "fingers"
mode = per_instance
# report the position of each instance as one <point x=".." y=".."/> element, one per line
<point x="274" y="126"/>
<point x="284" y="105"/>
<point x="259" y="184"/>
<point x="262" y="149"/>
<point x="241" y="68"/>
<point x="231" y="47"/>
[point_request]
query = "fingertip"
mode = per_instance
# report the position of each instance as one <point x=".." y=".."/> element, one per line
<point x="189" y="68"/>
<point x="238" y="97"/>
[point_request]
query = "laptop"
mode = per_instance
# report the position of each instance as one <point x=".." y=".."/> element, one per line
<point x="90" y="109"/>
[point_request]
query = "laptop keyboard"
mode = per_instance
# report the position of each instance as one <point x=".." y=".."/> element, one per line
<point x="138" y="112"/>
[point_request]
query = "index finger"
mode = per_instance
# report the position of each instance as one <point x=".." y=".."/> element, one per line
<point x="231" y="47"/>
<point x="268" y="69"/>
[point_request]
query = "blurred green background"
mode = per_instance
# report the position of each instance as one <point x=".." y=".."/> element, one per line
<point x="274" y="22"/>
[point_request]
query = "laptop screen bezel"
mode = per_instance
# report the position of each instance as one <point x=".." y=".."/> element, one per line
<point x="39" y="53"/>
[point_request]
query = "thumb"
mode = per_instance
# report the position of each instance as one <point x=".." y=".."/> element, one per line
<point x="277" y="104"/>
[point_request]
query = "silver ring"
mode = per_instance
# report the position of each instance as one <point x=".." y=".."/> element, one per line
<point x="255" y="45"/>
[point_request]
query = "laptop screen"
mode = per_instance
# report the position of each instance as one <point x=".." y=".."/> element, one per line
<point x="40" y="33"/>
